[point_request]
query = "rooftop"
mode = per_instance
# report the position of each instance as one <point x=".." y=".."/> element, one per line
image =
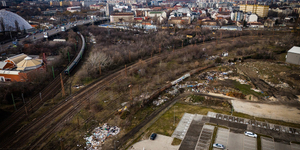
<point x="294" y="49"/>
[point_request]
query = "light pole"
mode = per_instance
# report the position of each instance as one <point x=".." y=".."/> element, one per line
<point x="174" y="116"/>
<point x="115" y="144"/>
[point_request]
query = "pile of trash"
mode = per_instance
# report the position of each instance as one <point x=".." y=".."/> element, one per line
<point x="99" y="135"/>
<point x="160" y="100"/>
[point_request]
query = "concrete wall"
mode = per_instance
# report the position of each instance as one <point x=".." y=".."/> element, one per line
<point x="293" y="58"/>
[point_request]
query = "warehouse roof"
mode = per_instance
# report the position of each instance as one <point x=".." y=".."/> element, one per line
<point x="294" y="49"/>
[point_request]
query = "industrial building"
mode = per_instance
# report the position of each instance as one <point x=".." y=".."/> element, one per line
<point x="293" y="55"/>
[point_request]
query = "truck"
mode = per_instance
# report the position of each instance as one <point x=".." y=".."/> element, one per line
<point x="63" y="28"/>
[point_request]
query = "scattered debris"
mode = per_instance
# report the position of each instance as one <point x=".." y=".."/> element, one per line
<point x="99" y="135"/>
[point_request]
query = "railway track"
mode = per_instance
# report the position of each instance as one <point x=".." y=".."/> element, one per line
<point x="67" y="109"/>
<point x="11" y="124"/>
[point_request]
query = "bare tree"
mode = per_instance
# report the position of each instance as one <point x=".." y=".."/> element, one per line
<point x="96" y="60"/>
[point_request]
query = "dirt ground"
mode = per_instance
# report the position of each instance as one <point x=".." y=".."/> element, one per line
<point x="272" y="111"/>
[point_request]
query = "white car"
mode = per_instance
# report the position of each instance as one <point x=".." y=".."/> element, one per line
<point x="216" y="145"/>
<point x="251" y="134"/>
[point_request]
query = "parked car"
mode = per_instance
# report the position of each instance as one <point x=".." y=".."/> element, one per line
<point x="153" y="136"/>
<point x="216" y="145"/>
<point x="251" y="134"/>
<point x="26" y="36"/>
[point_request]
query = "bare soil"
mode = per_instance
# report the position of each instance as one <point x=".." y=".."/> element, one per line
<point x="276" y="112"/>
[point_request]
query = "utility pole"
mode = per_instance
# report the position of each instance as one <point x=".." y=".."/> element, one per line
<point x="100" y="69"/>
<point x="129" y="56"/>
<point x="78" y="122"/>
<point x="173" y="48"/>
<point x="125" y="71"/>
<point x="159" y="48"/>
<point x="24" y="105"/>
<point x="53" y="72"/>
<point x="203" y="39"/>
<point x="182" y="44"/>
<point x="62" y="86"/>
<point x="151" y="59"/>
<point x="61" y="143"/>
<point x="12" y="96"/>
<point x="41" y="97"/>
<point x="174" y="116"/>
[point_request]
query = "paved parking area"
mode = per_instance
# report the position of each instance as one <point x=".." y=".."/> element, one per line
<point x="250" y="143"/>
<point x="281" y="146"/>
<point x="222" y="137"/>
<point x="295" y="146"/>
<point x="183" y="126"/>
<point x="267" y="143"/>
<point x="205" y="137"/>
<point x="265" y="128"/>
<point x="192" y="135"/>
<point x="235" y="141"/>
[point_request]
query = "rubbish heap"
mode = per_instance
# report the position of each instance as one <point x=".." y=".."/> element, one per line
<point x="99" y="135"/>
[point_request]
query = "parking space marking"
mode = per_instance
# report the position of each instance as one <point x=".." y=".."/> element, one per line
<point x="282" y="146"/>
<point x="267" y="143"/>
<point x="250" y="143"/>
<point x="235" y="141"/>
<point x="222" y="136"/>
<point x="183" y="126"/>
<point x="204" y="140"/>
<point x="295" y="146"/>
<point x="212" y="114"/>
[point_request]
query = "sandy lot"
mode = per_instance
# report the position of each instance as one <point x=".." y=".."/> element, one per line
<point x="276" y="112"/>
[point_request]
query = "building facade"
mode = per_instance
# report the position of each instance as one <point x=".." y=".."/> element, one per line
<point x="260" y="10"/>
<point x="121" y="17"/>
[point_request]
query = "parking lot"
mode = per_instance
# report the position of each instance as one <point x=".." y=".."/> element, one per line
<point x="235" y="141"/>
<point x="254" y="123"/>
<point x="205" y="137"/>
<point x="195" y="134"/>
<point x="183" y="126"/>
<point x="269" y="144"/>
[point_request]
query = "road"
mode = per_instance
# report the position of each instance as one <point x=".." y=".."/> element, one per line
<point x="39" y="36"/>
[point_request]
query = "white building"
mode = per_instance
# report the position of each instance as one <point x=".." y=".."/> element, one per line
<point x="251" y="18"/>
<point x="293" y="55"/>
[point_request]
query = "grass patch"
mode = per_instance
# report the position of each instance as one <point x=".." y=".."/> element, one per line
<point x="245" y="89"/>
<point x="213" y="138"/>
<point x="165" y="124"/>
<point x="197" y="98"/>
<point x="176" y="141"/>
<point x="259" y="140"/>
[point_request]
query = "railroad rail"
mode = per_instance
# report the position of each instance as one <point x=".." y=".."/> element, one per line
<point x="63" y="111"/>
<point x="9" y="125"/>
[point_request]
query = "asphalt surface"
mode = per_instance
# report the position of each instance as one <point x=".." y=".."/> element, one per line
<point x="183" y="126"/>
<point x="38" y="36"/>
<point x="190" y="140"/>
<point x="205" y="137"/>
<point x="222" y="137"/>
<point x="235" y="141"/>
